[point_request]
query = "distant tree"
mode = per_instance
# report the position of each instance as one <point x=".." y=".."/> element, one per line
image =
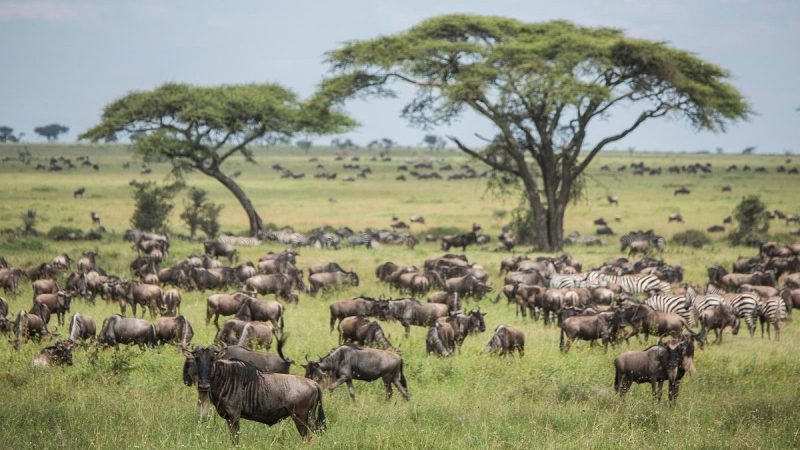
<point x="152" y="204"/>
<point x="343" y="143"/>
<point x="749" y="150"/>
<point x="200" y="213"/>
<point x="388" y="143"/>
<point x="7" y="134"/>
<point x="199" y="128"/>
<point x="752" y="216"/>
<point x="110" y="138"/>
<point x="51" y="132"/>
<point x="540" y="86"/>
<point x="433" y="142"/>
<point x="304" y="144"/>
<point x="384" y="143"/>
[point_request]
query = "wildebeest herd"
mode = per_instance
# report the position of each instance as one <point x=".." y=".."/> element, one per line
<point x="617" y="301"/>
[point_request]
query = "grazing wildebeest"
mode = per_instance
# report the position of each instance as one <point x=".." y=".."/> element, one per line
<point x="451" y="299"/>
<point x="45" y="286"/>
<point x="87" y="262"/>
<point x="717" y="318"/>
<point x="223" y="305"/>
<point x="411" y="312"/>
<point x="587" y="328"/>
<point x="58" y="303"/>
<point x="460" y="240"/>
<point x="440" y="339"/>
<point x="465" y="324"/>
<point x="215" y="278"/>
<point x="40" y="271"/>
<point x="81" y="327"/>
<point x="230" y="332"/>
<point x="664" y="361"/>
<point x="682" y="191"/>
<point x="358" y="306"/>
<point x="612" y="200"/>
<point x="79" y="192"/>
<point x="261" y="310"/>
<point x="148" y="296"/>
<point x="279" y="284"/>
<point x="362" y="331"/>
<point x="467" y="285"/>
<point x="257" y="334"/>
<point x="170" y="303"/>
<point x="58" y="354"/>
<point x="505" y="340"/>
<point x="174" y="330"/>
<point x="328" y="280"/>
<point x="239" y="390"/>
<point x="126" y="330"/>
<point x="325" y="267"/>
<point x="9" y="279"/>
<point x="31" y="325"/>
<point x="217" y="248"/>
<point x="351" y="362"/>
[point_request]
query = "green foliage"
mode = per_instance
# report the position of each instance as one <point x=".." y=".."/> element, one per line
<point x="523" y="225"/>
<point x="751" y="215"/>
<point x="691" y="238"/>
<point x="7" y="134"/>
<point x="29" y="221"/>
<point x="152" y="205"/>
<point x="200" y="213"/>
<point x="61" y="232"/>
<point x="51" y="132"/>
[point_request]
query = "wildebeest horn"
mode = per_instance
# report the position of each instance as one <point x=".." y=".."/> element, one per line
<point x="306" y="357"/>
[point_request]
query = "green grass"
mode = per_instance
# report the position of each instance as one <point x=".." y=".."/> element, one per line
<point x="745" y="393"/>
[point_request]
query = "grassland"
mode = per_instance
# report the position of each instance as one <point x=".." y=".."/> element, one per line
<point x="745" y="395"/>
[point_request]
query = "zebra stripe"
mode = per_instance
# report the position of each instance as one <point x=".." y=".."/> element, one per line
<point x="631" y="284"/>
<point x="677" y="304"/>
<point x="239" y="240"/>
<point x="364" y="238"/>
<point x="745" y="306"/>
<point x="572" y="281"/>
<point x="772" y="311"/>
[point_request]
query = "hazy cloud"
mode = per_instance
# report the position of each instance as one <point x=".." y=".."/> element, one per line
<point x="46" y="10"/>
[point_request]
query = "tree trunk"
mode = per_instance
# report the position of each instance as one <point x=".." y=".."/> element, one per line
<point x="252" y="215"/>
<point x="548" y="220"/>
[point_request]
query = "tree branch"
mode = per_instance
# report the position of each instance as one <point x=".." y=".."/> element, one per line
<point x="494" y="164"/>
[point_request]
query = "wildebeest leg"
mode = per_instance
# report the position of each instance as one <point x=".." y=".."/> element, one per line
<point x="624" y="387"/>
<point x="350" y="390"/>
<point x="302" y="424"/>
<point x="521" y="350"/>
<point x="233" y="426"/>
<point x="407" y="328"/>
<point x="657" y="386"/>
<point x="123" y="305"/>
<point x="673" y="392"/>
<point x="387" y="383"/>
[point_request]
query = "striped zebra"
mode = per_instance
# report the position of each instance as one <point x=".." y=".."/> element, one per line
<point x="569" y="281"/>
<point x="700" y="303"/>
<point x="677" y="304"/>
<point x="327" y="240"/>
<point x="745" y="306"/>
<point x="239" y="240"/>
<point x="631" y="284"/>
<point x="364" y="238"/>
<point x="771" y="312"/>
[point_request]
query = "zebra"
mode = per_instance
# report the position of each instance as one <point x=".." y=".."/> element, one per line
<point x="239" y="240"/>
<point x="630" y="284"/>
<point x="570" y="281"/>
<point x="745" y="306"/>
<point x="363" y="238"/>
<point x="700" y="303"/>
<point x="327" y="240"/>
<point x="649" y="236"/>
<point x="771" y="312"/>
<point x="677" y="304"/>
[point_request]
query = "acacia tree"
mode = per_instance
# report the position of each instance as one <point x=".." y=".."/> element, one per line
<point x="199" y="128"/>
<point x="540" y="85"/>
<point x="51" y="132"/>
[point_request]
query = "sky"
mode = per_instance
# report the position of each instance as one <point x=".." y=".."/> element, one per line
<point x="65" y="59"/>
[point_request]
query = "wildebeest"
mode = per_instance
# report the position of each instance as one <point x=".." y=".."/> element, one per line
<point x="257" y="334"/>
<point x="62" y="262"/>
<point x="327" y="280"/>
<point x="682" y="191"/>
<point x="440" y="339"/>
<point x="217" y="248"/>
<point x="451" y="299"/>
<point x="223" y="305"/>
<point x="78" y="192"/>
<point x="717" y="318"/>
<point x="81" y="327"/>
<point x="9" y="279"/>
<point x="40" y="271"/>
<point x="732" y="281"/>
<point x="362" y="331"/>
<point x="126" y="330"/>
<point x="467" y="286"/>
<point x="148" y="296"/>
<point x="459" y="240"/>
<point x="279" y="284"/>
<point x="351" y="362"/>
<point x="358" y="306"/>
<point x="238" y="390"/>
<point x="174" y="329"/>
<point x="45" y="286"/>
<point x="87" y="262"/>
<point x="465" y="324"/>
<point x="58" y="303"/>
<point x="170" y="303"/>
<point x="261" y="310"/>
<point x="31" y="324"/>
<point x="668" y="360"/>
<point x="325" y="267"/>
<point x="588" y="328"/>
<point x="411" y="312"/>
<point x="505" y="340"/>
<point x="58" y="354"/>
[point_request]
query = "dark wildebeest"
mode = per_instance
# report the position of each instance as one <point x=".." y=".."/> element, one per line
<point x="350" y="362"/>
<point x="223" y="305"/>
<point x="217" y="248"/>
<point x="230" y="332"/>
<point x="79" y="192"/>
<point x="324" y="268"/>
<point x="664" y="361"/>
<point x="459" y="240"/>
<point x="81" y="327"/>
<point x="148" y="296"/>
<point x="411" y="312"/>
<point x="40" y="271"/>
<point x="331" y="280"/>
<point x="587" y="328"/>
<point x="440" y="339"/>
<point x="362" y="331"/>
<point x="45" y="286"/>
<point x="9" y="279"/>
<point x="174" y="330"/>
<point x="87" y="262"/>
<point x="174" y="276"/>
<point x="62" y="262"/>
<point x="31" y="325"/>
<point x="261" y="310"/>
<point x="58" y="303"/>
<point x="358" y="306"/>
<point x="59" y="354"/>
<point x="505" y="340"/>
<point x="717" y="318"/>
<point x="125" y="330"/>
<point x="217" y="278"/>
<point x="279" y="284"/>
<point x="451" y="299"/>
<point x="170" y="303"/>
<point x="467" y="286"/>
<point x="733" y="281"/>
<point x="465" y="324"/>
<point x="239" y="390"/>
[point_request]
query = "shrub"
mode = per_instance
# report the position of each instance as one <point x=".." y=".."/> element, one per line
<point x="198" y="212"/>
<point x="522" y="225"/>
<point x="751" y="215"/>
<point x="691" y="238"/>
<point x="152" y="205"/>
<point x="29" y="222"/>
<point x="62" y="233"/>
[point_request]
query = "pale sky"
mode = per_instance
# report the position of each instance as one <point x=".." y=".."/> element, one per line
<point x="64" y="60"/>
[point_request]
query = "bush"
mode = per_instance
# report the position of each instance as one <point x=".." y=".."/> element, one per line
<point x="522" y="225"/>
<point x="198" y="212"/>
<point x="62" y="233"/>
<point x="752" y="216"/>
<point x="691" y="238"/>
<point x="152" y="205"/>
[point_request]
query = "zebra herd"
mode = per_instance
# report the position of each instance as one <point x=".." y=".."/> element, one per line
<point x="329" y="238"/>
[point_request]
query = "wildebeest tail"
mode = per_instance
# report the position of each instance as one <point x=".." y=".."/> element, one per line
<point x="616" y="380"/>
<point x="402" y="376"/>
<point x="561" y="339"/>
<point x="281" y="322"/>
<point x="321" y="420"/>
<point x="151" y="338"/>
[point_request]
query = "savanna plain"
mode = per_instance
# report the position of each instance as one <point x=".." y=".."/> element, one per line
<point x="745" y="394"/>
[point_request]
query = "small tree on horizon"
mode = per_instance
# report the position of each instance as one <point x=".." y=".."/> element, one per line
<point x="51" y="132"/>
<point x="752" y="216"/>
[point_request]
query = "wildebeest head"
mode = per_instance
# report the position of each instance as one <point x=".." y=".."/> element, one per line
<point x="673" y="357"/>
<point x="65" y="299"/>
<point x="353" y="278"/>
<point x="198" y="366"/>
<point x="476" y="321"/>
<point x="381" y="309"/>
<point x="316" y="371"/>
